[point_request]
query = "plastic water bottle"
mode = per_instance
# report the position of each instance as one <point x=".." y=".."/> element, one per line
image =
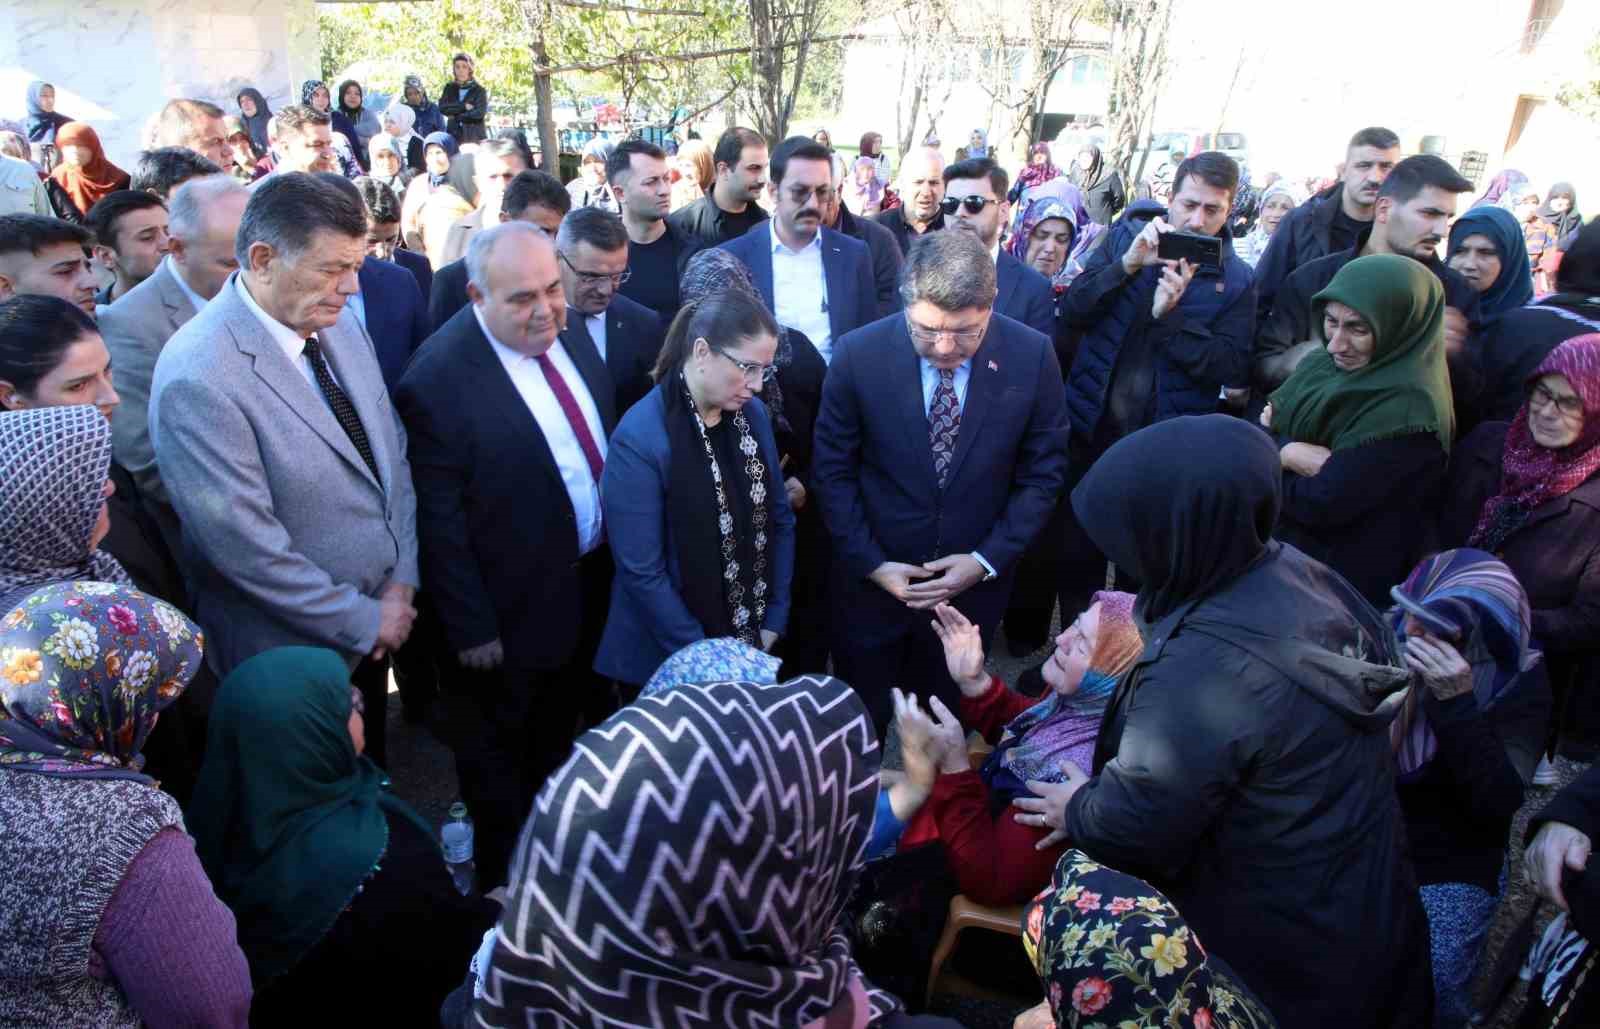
<point x="456" y="837"/>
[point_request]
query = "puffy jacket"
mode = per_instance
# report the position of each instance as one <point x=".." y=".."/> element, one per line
<point x="1202" y="345"/>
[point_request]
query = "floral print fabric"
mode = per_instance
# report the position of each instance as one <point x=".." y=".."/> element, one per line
<point x="1113" y="953"/>
<point x="85" y="667"/>
<point x="718" y="659"/>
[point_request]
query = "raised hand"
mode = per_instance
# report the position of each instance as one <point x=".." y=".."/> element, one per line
<point x="963" y="650"/>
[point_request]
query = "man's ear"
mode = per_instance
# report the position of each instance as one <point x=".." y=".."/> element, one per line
<point x="105" y="256"/>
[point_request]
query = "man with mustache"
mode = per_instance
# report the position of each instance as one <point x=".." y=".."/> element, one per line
<point x="922" y="185"/>
<point x="1410" y="217"/>
<point x="814" y="280"/>
<point x="1329" y="223"/>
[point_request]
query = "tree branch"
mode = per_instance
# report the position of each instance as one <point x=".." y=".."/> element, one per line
<point x="639" y="57"/>
<point x="608" y="6"/>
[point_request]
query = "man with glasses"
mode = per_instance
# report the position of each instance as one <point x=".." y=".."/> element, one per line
<point x="813" y="279"/>
<point x="494" y="164"/>
<point x="592" y="249"/>
<point x="940" y="453"/>
<point x="975" y="201"/>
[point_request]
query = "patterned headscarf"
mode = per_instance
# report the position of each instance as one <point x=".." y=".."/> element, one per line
<point x="1504" y="189"/>
<point x="309" y="88"/>
<point x="718" y="659"/>
<point x="1035" y="174"/>
<point x="85" y="667"/>
<point x="1060" y="728"/>
<point x="53" y="467"/>
<point x="1531" y="474"/>
<point x="1111" y="950"/>
<point x="716" y="271"/>
<point x="690" y="864"/>
<point x="1041" y="210"/>
<point x="1473" y="597"/>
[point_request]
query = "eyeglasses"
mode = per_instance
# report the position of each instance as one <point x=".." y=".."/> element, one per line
<point x="1542" y="396"/>
<point x="800" y="194"/>
<point x="960" y="337"/>
<point x="753" y="371"/>
<point x="973" y="203"/>
<point x="595" y="278"/>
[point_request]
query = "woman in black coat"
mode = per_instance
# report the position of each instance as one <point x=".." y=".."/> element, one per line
<point x="1244" y="764"/>
<point x="1528" y="492"/>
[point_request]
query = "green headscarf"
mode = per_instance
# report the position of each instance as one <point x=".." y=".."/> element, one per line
<point x="1404" y="389"/>
<point x="287" y="818"/>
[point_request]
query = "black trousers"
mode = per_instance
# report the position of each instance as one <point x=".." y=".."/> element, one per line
<point x="805" y="645"/>
<point x="418" y="661"/>
<point x="1039" y="579"/>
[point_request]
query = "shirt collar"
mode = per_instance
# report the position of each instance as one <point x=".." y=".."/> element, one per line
<point x="994" y="251"/>
<point x="778" y="245"/>
<point x="292" y="343"/>
<point x="183" y="287"/>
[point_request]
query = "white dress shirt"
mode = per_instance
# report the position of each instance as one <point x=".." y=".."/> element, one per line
<point x="292" y="343"/>
<point x="534" y="388"/>
<point x="183" y="287"/>
<point x="358" y="304"/>
<point x="596" y="324"/>
<point x="800" y="291"/>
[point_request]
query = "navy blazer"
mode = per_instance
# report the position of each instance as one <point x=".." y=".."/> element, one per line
<point x="649" y="621"/>
<point x="846" y="268"/>
<point x="1025" y="295"/>
<point x="495" y="525"/>
<point x="396" y="315"/>
<point x="872" y="469"/>
<point x="449" y="293"/>
<point x="634" y="335"/>
<point x="417" y="264"/>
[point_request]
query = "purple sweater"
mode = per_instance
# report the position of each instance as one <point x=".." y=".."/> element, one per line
<point x="170" y="944"/>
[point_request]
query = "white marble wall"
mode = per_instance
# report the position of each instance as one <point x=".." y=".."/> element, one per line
<point x="114" y="63"/>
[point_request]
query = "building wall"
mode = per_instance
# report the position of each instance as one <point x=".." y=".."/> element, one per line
<point x="114" y="63"/>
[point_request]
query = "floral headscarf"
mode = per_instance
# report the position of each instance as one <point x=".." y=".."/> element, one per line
<point x="53" y="467"/>
<point x="85" y="667"/>
<point x="1531" y="474"/>
<point x="308" y="89"/>
<point x="1110" y="950"/>
<point x="1035" y="174"/>
<point x="718" y="659"/>
<point x="715" y="271"/>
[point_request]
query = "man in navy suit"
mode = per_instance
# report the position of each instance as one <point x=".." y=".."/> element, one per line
<point x="592" y="248"/>
<point x="533" y="196"/>
<point x="389" y="304"/>
<point x="975" y="200"/>
<point x="814" y="280"/>
<point x="508" y="423"/>
<point x="940" y="452"/>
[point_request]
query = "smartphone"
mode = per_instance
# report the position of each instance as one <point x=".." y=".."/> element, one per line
<point x="1192" y="247"/>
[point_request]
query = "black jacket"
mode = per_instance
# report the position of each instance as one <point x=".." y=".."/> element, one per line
<point x="634" y="335"/>
<point x="1510" y="347"/>
<point x="467" y="126"/>
<point x="886" y="256"/>
<point x="1302" y="237"/>
<point x="449" y="293"/>
<point x="707" y="224"/>
<point x="895" y="221"/>
<point x="1105" y="199"/>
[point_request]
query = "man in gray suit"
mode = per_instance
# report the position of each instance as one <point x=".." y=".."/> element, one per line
<point x="280" y="450"/>
<point x="202" y="222"/>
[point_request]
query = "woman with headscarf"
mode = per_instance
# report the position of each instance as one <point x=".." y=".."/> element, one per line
<point x="85" y="175"/>
<point x="1103" y="192"/>
<point x="339" y="887"/>
<point x="389" y="163"/>
<point x="247" y="164"/>
<point x="696" y="510"/>
<point x="429" y="119"/>
<point x="1504" y="189"/>
<point x="43" y="119"/>
<point x="399" y="121"/>
<point x="1110" y="947"/>
<point x="1528" y="493"/>
<point x="750" y="805"/>
<point x="1466" y="742"/>
<point x="978" y="143"/>
<point x="257" y="116"/>
<point x="871" y="145"/>
<point x="107" y="918"/>
<point x="996" y="859"/>
<point x="696" y="173"/>
<point x="439" y="155"/>
<point x="1365" y="423"/>
<point x="314" y="94"/>
<point x="1560" y="212"/>
<point x="352" y="104"/>
<point x="792" y="398"/>
<point x="1277" y="200"/>
<point x="589" y="189"/>
<point x="863" y="193"/>
<point x="1243" y="764"/>
<point x="1486" y="247"/>
<point x="1040" y="170"/>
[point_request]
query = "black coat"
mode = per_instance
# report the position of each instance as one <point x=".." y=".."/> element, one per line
<point x="1512" y="346"/>
<point x="1555" y="555"/>
<point x="895" y="221"/>
<point x="1302" y="237"/>
<point x="466" y="126"/>
<point x="886" y="256"/>
<point x="448" y="294"/>
<point x="1105" y="199"/>
<point x="1365" y="515"/>
<point x="634" y="335"/>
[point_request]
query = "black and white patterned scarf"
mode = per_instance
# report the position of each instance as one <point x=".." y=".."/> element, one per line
<point x="53" y="467"/>
<point x="689" y="866"/>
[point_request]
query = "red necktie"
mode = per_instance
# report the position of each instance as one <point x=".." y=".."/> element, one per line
<point x="574" y="413"/>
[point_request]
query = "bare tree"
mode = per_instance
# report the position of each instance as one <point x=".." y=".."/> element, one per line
<point x="1022" y="67"/>
<point x="1139" y="30"/>
<point x="782" y="33"/>
<point x="925" y="39"/>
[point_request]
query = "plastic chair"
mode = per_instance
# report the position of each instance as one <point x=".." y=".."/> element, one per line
<point x="966" y="914"/>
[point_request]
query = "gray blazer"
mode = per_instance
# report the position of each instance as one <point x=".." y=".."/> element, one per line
<point x="288" y="539"/>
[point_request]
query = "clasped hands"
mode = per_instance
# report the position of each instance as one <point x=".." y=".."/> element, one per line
<point x="946" y="577"/>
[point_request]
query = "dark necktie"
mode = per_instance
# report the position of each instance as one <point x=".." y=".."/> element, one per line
<point x="944" y="423"/>
<point x="574" y="413"/>
<point x="339" y="401"/>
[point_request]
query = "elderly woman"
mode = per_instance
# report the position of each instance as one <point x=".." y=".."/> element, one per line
<point x="85" y="175"/>
<point x="1277" y="200"/>
<point x="700" y="911"/>
<point x="695" y="506"/>
<point x="399" y="122"/>
<point x="590" y="189"/>
<point x="1364" y="424"/>
<point x="1243" y="764"/>
<point x="1528" y="493"/>
<point x="1486" y="247"/>
<point x="44" y="121"/>
<point x="257" y="115"/>
<point x="339" y="887"/>
<point x="1104" y="195"/>
<point x="108" y="917"/>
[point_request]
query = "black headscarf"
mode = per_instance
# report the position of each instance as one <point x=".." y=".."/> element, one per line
<point x="256" y="124"/>
<point x="1566" y="222"/>
<point x="1185" y="505"/>
<point x="1088" y="178"/>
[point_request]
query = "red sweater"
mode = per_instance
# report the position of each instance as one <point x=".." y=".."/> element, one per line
<point x="993" y="857"/>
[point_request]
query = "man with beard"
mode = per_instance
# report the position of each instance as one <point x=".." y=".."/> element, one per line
<point x="729" y="209"/>
<point x="657" y="252"/>
<point x="922" y="188"/>
<point x="303" y="139"/>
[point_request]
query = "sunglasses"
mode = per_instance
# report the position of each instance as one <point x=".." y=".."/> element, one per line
<point x="974" y="204"/>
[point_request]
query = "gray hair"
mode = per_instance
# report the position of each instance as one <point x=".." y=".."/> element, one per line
<point x="186" y="217"/>
<point x="481" y="248"/>
<point x="950" y="269"/>
<point x="287" y="208"/>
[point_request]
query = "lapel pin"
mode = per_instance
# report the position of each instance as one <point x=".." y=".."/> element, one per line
<point x="993" y="367"/>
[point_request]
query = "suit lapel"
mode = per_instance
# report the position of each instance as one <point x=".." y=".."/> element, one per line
<point x="983" y="386"/>
<point x="501" y="393"/>
<point x="761" y="268"/>
<point x="179" y="309"/>
<point x="342" y="345"/>
<point x="833" y="280"/>
<point x="596" y="375"/>
<point x="1006" y="281"/>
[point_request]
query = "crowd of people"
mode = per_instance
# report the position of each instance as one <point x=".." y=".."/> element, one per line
<point x="670" y="493"/>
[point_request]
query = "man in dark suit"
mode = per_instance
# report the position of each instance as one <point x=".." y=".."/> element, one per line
<point x="975" y="200"/>
<point x="508" y="425"/>
<point x="884" y="249"/>
<point x="533" y="196"/>
<point x="815" y="280"/>
<point x="592" y="249"/>
<point x="494" y="164"/>
<point x="940" y="452"/>
<point x="390" y="307"/>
